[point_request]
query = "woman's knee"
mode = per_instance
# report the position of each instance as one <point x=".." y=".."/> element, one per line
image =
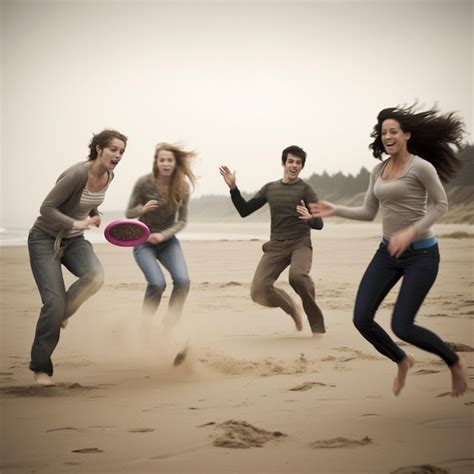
<point x="401" y="330"/>
<point x="156" y="288"/>
<point x="95" y="280"/>
<point x="362" y="318"/>
<point x="54" y="308"/>
<point x="182" y="283"/>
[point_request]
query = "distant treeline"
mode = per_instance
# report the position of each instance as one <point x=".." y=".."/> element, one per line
<point x="346" y="189"/>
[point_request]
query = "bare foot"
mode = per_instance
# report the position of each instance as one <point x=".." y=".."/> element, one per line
<point x="41" y="378"/>
<point x="459" y="377"/>
<point x="297" y="320"/>
<point x="403" y="367"/>
<point x="64" y="323"/>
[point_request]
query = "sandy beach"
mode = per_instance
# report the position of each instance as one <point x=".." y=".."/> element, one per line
<point x="252" y="395"/>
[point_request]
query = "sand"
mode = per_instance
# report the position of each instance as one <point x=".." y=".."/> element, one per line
<point x="252" y="395"/>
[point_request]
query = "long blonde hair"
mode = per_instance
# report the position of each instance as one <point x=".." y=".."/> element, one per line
<point x="183" y="177"/>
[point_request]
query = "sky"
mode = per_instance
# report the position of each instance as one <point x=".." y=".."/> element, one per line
<point x="236" y="81"/>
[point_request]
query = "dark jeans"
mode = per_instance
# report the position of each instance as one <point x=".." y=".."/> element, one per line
<point x="278" y="255"/>
<point x="419" y="269"/>
<point x="170" y="255"/>
<point x="58" y="303"/>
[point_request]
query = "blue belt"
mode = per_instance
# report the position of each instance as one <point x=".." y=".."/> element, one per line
<point x="419" y="244"/>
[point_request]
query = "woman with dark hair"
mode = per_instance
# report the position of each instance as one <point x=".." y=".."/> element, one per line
<point x="57" y="238"/>
<point x="160" y="200"/>
<point x="407" y="188"/>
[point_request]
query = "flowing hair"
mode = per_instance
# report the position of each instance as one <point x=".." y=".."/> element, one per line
<point x="435" y="137"/>
<point x="183" y="177"/>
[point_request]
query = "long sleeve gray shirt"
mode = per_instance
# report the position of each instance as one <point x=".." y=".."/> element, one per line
<point x="163" y="218"/>
<point x="417" y="198"/>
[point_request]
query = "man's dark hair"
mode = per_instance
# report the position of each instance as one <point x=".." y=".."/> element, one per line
<point x="293" y="150"/>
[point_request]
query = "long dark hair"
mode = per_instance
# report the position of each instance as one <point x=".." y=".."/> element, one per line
<point x="435" y="137"/>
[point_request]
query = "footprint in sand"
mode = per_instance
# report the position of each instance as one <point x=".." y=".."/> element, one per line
<point x="73" y="428"/>
<point x="231" y="283"/>
<point x="341" y="442"/>
<point x="422" y="469"/>
<point x="426" y="372"/>
<point x="43" y="391"/>
<point x="306" y="386"/>
<point x="64" y="428"/>
<point x="355" y="354"/>
<point x="458" y="347"/>
<point x="207" y="424"/>
<point x="87" y="450"/>
<point x="443" y="423"/>
<point x="243" y="435"/>
<point x="448" y="394"/>
<point x="140" y="430"/>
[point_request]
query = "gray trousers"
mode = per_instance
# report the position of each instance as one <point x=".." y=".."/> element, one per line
<point x="277" y="256"/>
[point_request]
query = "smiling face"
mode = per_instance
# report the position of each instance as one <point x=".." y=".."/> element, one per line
<point x="292" y="168"/>
<point x="111" y="155"/>
<point x="394" y="139"/>
<point x="166" y="163"/>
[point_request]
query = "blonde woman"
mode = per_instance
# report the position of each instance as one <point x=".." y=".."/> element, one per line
<point x="160" y="200"/>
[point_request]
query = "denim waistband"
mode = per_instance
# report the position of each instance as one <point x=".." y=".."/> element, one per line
<point x="419" y="244"/>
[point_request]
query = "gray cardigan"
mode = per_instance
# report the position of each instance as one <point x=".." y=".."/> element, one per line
<point x="62" y="201"/>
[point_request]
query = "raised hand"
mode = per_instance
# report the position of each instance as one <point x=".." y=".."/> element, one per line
<point x="228" y="176"/>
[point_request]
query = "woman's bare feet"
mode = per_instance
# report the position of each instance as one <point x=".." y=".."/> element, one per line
<point x="403" y="367"/>
<point x="459" y="377"/>
<point x="41" y="378"/>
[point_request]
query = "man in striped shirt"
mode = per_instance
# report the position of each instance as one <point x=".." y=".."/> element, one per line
<point x="290" y="239"/>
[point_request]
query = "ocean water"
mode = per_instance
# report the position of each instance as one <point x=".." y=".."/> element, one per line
<point x="247" y="231"/>
<point x="193" y="231"/>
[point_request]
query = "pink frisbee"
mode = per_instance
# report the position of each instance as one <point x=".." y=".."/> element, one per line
<point x="127" y="232"/>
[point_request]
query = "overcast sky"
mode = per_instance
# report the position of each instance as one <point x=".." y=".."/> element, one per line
<point x="236" y="81"/>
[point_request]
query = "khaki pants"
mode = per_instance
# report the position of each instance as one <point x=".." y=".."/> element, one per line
<point x="278" y="255"/>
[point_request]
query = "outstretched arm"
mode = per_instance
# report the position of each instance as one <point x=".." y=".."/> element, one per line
<point x="366" y="212"/>
<point x="243" y="207"/>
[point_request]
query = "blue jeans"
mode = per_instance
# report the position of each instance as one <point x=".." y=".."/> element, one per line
<point x="419" y="269"/>
<point x="58" y="303"/>
<point x="170" y="255"/>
